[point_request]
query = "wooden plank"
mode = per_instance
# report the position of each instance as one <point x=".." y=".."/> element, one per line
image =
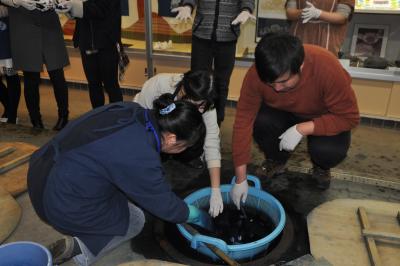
<point x="213" y="248"/>
<point x="335" y="233"/>
<point x="10" y="214"/>
<point x="381" y="235"/>
<point x="6" y="151"/>
<point x="369" y="241"/>
<point x="14" y="163"/>
<point x="14" y="181"/>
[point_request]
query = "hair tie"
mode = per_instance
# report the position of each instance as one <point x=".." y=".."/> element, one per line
<point x="168" y="109"/>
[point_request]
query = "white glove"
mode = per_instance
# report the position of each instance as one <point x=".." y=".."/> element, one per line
<point x="310" y="12"/>
<point x="63" y="6"/>
<point x="184" y="13"/>
<point x="216" y="204"/>
<point x="289" y="139"/>
<point x="44" y="5"/>
<point x="28" y="4"/>
<point x="243" y="17"/>
<point x="239" y="193"/>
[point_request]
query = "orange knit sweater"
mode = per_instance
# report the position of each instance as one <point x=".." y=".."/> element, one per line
<point x="323" y="94"/>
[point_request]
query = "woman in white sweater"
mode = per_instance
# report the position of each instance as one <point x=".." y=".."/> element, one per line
<point x="196" y="87"/>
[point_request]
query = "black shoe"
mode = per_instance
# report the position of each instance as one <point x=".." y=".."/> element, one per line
<point x="196" y="163"/>
<point x="61" y="123"/>
<point x="64" y="249"/>
<point x="322" y="177"/>
<point x="37" y="123"/>
<point x="271" y="168"/>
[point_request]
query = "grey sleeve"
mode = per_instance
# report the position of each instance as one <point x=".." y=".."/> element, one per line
<point x="247" y="4"/>
<point x="343" y="9"/>
<point x="191" y="3"/>
<point x="291" y="4"/>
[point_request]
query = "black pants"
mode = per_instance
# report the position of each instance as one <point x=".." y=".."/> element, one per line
<point x="32" y="96"/>
<point x="9" y="96"/>
<point x="101" y="69"/>
<point x="325" y="151"/>
<point x="221" y="55"/>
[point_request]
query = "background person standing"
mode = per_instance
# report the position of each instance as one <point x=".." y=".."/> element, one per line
<point x="215" y="31"/>
<point x="97" y="34"/>
<point x="10" y="93"/>
<point x="36" y="40"/>
<point x="320" y="22"/>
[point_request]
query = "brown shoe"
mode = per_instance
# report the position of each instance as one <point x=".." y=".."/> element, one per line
<point x="63" y="250"/>
<point x="322" y="176"/>
<point x="271" y="168"/>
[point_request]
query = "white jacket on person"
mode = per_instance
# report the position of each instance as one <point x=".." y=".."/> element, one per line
<point x="165" y="83"/>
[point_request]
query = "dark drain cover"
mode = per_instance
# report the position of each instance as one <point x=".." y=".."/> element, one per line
<point x="291" y="244"/>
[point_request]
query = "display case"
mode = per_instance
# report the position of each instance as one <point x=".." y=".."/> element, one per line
<point x="170" y="36"/>
<point x="378" y="6"/>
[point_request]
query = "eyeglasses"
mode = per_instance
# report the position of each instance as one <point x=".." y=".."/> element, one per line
<point x="280" y="86"/>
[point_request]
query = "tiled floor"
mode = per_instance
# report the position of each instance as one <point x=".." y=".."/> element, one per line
<point x="373" y="159"/>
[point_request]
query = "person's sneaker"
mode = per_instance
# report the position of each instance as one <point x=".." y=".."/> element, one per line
<point x="64" y="249"/>
<point x="322" y="176"/>
<point x="271" y="168"/>
<point x="197" y="163"/>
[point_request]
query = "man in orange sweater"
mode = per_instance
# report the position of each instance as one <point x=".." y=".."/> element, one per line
<point x="293" y="91"/>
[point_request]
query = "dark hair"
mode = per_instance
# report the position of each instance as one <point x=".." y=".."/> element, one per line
<point x="185" y="121"/>
<point x="197" y="86"/>
<point x="278" y="53"/>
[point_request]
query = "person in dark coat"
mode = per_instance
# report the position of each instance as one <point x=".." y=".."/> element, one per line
<point x="10" y="93"/>
<point x="36" y="40"/>
<point x="97" y="34"/>
<point x="92" y="179"/>
<point x="215" y="31"/>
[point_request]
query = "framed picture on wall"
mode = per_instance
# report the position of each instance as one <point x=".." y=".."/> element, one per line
<point x="271" y="17"/>
<point x="369" y="40"/>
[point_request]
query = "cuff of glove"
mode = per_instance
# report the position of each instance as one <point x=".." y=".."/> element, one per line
<point x="76" y="8"/>
<point x="215" y="190"/>
<point x="193" y="214"/>
<point x="246" y="9"/>
<point x="9" y="3"/>
<point x="191" y="7"/>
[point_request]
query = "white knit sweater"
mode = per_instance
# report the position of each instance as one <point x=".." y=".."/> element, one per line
<point x="165" y="83"/>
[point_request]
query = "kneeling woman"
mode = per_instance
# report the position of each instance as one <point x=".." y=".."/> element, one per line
<point x="90" y="181"/>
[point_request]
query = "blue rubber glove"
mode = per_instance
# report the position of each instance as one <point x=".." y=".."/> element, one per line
<point x="199" y="217"/>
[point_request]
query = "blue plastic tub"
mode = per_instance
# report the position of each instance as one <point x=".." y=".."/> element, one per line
<point x="257" y="199"/>
<point x="24" y="253"/>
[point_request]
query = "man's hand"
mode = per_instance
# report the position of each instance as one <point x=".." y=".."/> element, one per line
<point x="216" y="203"/>
<point x="310" y="12"/>
<point x="239" y="193"/>
<point x="289" y="139"/>
<point x="243" y="17"/>
<point x="28" y="4"/>
<point x="184" y="13"/>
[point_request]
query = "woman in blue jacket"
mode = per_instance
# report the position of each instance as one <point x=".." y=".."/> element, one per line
<point x="90" y="181"/>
